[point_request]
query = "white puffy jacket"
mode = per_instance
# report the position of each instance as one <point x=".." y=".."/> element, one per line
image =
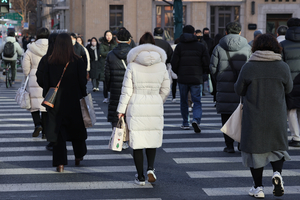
<point x="32" y="57"/>
<point x="146" y="86"/>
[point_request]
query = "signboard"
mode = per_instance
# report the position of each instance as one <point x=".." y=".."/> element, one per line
<point x="25" y="25"/>
<point x="14" y="17"/>
<point x="4" y="6"/>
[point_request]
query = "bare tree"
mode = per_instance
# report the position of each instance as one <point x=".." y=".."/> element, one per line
<point x="23" y="7"/>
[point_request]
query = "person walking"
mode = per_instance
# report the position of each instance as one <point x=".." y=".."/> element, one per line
<point x="281" y="31"/>
<point x="115" y="67"/>
<point x="142" y="99"/>
<point x="190" y="59"/>
<point x="160" y="42"/>
<point x="173" y="75"/>
<point x="226" y="62"/>
<point x="32" y="57"/>
<point x="95" y="71"/>
<point x="12" y="59"/>
<point x="65" y="122"/>
<point x="256" y="33"/>
<point x="209" y="41"/>
<point x="88" y="67"/>
<point x="108" y="43"/>
<point x="40" y="77"/>
<point x="290" y="55"/>
<point x="263" y="83"/>
<point x="79" y="50"/>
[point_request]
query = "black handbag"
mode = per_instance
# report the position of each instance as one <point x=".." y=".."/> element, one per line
<point x="51" y="94"/>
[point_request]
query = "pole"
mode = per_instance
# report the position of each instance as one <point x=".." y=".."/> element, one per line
<point x="39" y="24"/>
<point x="2" y="28"/>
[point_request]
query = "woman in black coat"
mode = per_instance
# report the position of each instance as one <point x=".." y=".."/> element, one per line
<point x="95" y="63"/>
<point x="263" y="82"/>
<point x="65" y="121"/>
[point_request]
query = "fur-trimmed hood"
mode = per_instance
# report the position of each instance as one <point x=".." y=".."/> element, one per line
<point x="147" y="54"/>
<point x="39" y="47"/>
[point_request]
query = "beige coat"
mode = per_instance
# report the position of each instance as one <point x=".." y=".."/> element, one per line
<point x="32" y="57"/>
<point x="146" y="86"/>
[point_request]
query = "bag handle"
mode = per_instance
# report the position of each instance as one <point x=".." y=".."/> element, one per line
<point x="121" y="120"/>
<point x="124" y="64"/>
<point x="231" y="66"/>
<point x="57" y="86"/>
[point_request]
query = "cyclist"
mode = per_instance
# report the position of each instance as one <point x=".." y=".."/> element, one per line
<point x="11" y="57"/>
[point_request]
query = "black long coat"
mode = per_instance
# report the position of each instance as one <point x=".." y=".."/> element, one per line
<point x="95" y="71"/>
<point x="66" y="116"/>
<point x="114" y="75"/>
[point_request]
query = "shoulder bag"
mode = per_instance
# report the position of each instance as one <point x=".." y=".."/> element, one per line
<point x="51" y="94"/>
<point x="88" y="111"/>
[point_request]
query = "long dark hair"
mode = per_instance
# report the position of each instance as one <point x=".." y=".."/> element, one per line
<point x="96" y="41"/>
<point x="147" y="38"/>
<point x="63" y="51"/>
<point x="51" y="39"/>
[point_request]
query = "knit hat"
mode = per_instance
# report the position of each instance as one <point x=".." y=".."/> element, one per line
<point x="257" y="32"/>
<point x="188" y="29"/>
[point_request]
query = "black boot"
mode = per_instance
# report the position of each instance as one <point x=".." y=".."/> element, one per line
<point x="37" y="131"/>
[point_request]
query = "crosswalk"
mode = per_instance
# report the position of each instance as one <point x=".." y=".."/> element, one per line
<point x="198" y="157"/>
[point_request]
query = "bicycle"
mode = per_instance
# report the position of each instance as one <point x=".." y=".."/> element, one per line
<point x="8" y="74"/>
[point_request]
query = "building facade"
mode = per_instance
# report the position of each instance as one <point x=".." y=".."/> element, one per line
<point x="91" y="18"/>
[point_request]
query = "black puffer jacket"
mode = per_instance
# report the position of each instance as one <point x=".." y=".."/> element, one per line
<point x="291" y="55"/>
<point x="165" y="46"/>
<point x="79" y="50"/>
<point x="239" y="51"/>
<point x="114" y="74"/>
<point x="190" y="59"/>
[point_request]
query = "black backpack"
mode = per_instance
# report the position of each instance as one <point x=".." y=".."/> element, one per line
<point x="9" y="50"/>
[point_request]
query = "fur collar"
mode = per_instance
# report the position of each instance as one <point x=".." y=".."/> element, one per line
<point x="133" y="53"/>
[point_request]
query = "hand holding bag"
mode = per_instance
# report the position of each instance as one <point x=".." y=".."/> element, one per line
<point x="116" y="139"/>
<point x="233" y="126"/>
<point x="126" y="131"/>
<point x="51" y="94"/>
<point x="22" y="96"/>
<point x="88" y="111"/>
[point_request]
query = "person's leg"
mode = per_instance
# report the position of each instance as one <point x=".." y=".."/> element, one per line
<point x="94" y="82"/>
<point x="190" y="102"/>
<point x="228" y="140"/>
<point x="174" y="84"/>
<point x="59" y="152"/>
<point x="277" y="165"/>
<point x="184" y="89"/>
<point x="278" y="189"/>
<point x="293" y="118"/>
<point x="150" y="153"/>
<point x="44" y="124"/>
<point x="36" y="118"/>
<point x="196" y="91"/>
<point x="139" y="163"/>
<point x="13" y="70"/>
<point x="105" y="91"/>
<point x="79" y="148"/>
<point x="257" y="175"/>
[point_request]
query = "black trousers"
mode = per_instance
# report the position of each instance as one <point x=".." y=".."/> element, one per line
<point x="228" y="140"/>
<point x="60" y="156"/>
<point x="139" y="161"/>
<point x="105" y="91"/>
<point x="174" y="85"/>
<point x="39" y="119"/>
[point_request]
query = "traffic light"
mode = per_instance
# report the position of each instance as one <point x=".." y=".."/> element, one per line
<point x="4" y="6"/>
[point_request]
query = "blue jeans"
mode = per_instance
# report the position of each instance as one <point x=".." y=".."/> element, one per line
<point x="196" y="93"/>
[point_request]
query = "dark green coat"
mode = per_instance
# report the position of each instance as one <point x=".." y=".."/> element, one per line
<point x="105" y="47"/>
<point x="263" y="85"/>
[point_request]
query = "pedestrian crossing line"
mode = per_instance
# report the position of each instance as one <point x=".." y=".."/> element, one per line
<point x="32" y="139"/>
<point x="29" y="118"/>
<point x="204" y="149"/>
<point x="15" y="114"/>
<point x="70" y="157"/>
<point x="62" y="186"/>
<point x="202" y="119"/>
<point x="11" y="125"/>
<point x="178" y="108"/>
<point x="67" y="170"/>
<point x="202" y="125"/>
<point x="204" y="160"/>
<point x="191" y="114"/>
<point x="20" y="109"/>
<point x="42" y="148"/>
<point x="131" y="199"/>
<point x="243" y="191"/>
<point x="238" y="173"/>
<point x="191" y="140"/>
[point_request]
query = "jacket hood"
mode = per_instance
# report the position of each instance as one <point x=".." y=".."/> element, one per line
<point x="39" y="47"/>
<point x="122" y="50"/>
<point x="293" y="34"/>
<point x="233" y="42"/>
<point x="188" y="37"/>
<point x="10" y="39"/>
<point x="147" y="54"/>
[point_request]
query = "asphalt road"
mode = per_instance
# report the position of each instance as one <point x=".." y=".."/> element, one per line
<point x="188" y="166"/>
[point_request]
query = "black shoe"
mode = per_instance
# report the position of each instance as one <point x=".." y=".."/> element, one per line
<point x="294" y="143"/>
<point x="49" y="146"/>
<point x="196" y="127"/>
<point x="37" y="131"/>
<point x="239" y="147"/>
<point x="43" y="136"/>
<point x="229" y="150"/>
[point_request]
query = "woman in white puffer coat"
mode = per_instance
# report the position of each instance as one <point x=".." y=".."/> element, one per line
<point x="35" y="51"/>
<point x="146" y="86"/>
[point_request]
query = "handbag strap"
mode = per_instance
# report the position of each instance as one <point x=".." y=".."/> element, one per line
<point x="231" y="66"/>
<point x="124" y="64"/>
<point x="26" y="81"/>
<point x="57" y="86"/>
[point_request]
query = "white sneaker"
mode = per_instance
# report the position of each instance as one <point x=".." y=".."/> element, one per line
<point x="105" y="100"/>
<point x="185" y="127"/>
<point x="257" y="192"/>
<point x="97" y="89"/>
<point x="151" y="176"/>
<point x="125" y="145"/>
<point x="94" y="89"/>
<point x="278" y="189"/>
<point x="190" y="109"/>
<point x="174" y="100"/>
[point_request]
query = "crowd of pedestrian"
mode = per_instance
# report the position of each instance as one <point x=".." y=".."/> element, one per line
<point x="263" y="74"/>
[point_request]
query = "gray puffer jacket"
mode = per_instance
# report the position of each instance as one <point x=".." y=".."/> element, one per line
<point x="239" y="52"/>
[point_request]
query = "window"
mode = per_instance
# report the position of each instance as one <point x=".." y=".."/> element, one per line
<point x="164" y="19"/>
<point x="115" y="17"/>
<point x="220" y="16"/>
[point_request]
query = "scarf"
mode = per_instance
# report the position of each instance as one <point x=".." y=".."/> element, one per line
<point x="95" y="51"/>
<point x="265" y="56"/>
